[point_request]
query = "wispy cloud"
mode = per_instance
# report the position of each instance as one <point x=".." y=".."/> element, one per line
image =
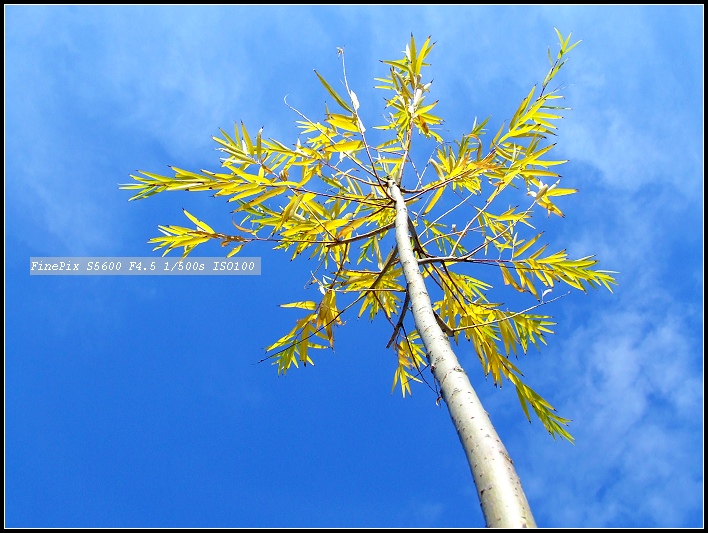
<point x="633" y="386"/>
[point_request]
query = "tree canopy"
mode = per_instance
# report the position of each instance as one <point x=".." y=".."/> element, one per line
<point x="326" y="196"/>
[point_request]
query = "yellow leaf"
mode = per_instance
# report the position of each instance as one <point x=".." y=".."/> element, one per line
<point x="247" y="140"/>
<point x="434" y="200"/>
<point x="309" y="305"/>
<point x="328" y="315"/>
<point x="265" y="196"/>
<point x="522" y="249"/>
<point x="236" y="250"/>
<point x="343" y="122"/>
<point x="560" y="192"/>
<point x="334" y="94"/>
<point x="508" y="279"/>
<point x="201" y="225"/>
<point x="345" y="146"/>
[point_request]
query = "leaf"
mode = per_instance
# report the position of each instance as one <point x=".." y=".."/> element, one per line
<point x="259" y="144"/>
<point x="308" y="305"/>
<point x="560" y="192"/>
<point x="560" y="36"/>
<point x="508" y="279"/>
<point x="522" y="249"/>
<point x="201" y="225"/>
<point x="434" y="200"/>
<point x="246" y="139"/>
<point x="236" y="250"/>
<point x="334" y="94"/>
<point x="412" y="55"/>
<point x="345" y="146"/>
<point x="343" y="122"/>
<point x="328" y="316"/>
<point x="411" y="355"/>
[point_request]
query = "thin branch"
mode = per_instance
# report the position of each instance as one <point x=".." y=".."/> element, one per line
<point x="336" y="317"/>
<point x="461" y="258"/>
<point x="464" y="231"/>
<point x="451" y="210"/>
<point x="359" y="124"/>
<point x="346" y="154"/>
<point x="509" y="317"/>
<point x="419" y="370"/>
<point x="367" y="234"/>
<point x="398" y="326"/>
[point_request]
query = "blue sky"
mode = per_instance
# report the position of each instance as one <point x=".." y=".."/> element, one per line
<point x="137" y="401"/>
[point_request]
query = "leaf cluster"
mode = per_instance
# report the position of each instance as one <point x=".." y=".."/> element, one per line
<point x="325" y="196"/>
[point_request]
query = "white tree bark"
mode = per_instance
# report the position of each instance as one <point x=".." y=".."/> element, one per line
<point x="502" y="499"/>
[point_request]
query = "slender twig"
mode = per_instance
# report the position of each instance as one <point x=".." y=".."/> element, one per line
<point x="509" y="317"/>
<point x="367" y="234"/>
<point x="417" y="367"/>
<point x="336" y="317"/>
<point x="359" y="124"/>
<point x="399" y="324"/>
<point x="346" y="154"/>
<point x="451" y="210"/>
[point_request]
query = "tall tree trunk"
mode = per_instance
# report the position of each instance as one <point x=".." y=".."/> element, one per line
<point x="502" y="499"/>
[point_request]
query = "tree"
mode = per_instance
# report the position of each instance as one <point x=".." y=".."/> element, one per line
<point x="336" y="192"/>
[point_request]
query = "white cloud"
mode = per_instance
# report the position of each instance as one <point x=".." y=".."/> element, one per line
<point x="632" y="382"/>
